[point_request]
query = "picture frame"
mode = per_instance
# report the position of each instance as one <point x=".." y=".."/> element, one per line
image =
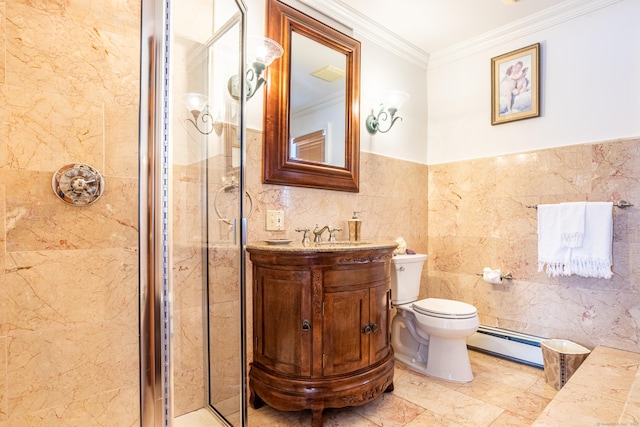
<point x="515" y="85"/>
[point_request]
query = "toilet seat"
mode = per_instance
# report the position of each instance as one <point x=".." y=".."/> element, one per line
<point x="445" y="309"/>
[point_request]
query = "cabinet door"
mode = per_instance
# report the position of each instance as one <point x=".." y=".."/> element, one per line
<point x="380" y="338"/>
<point x="282" y="303"/>
<point x="345" y="345"/>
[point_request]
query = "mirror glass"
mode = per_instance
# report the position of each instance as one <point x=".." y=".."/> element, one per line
<point x="311" y="121"/>
<point x="317" y="102"/>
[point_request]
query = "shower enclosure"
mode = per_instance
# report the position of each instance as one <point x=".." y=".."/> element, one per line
<point x="192" y="221"/>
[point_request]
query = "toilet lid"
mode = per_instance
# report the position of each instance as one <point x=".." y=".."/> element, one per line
<point x="445" y="308"/>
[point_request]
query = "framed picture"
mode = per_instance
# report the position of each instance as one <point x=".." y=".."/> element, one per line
<point x="515" y="85"/>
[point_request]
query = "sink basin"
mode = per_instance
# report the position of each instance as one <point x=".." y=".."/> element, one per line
<point x="343" y="243"/>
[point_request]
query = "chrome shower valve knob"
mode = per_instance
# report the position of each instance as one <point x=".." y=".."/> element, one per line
<point x="78" y="184"/>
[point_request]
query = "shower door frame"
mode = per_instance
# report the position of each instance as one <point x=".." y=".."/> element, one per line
<point x="153" y="222"/>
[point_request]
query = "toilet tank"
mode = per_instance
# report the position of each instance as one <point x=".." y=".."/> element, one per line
<point x="406" y="271"/>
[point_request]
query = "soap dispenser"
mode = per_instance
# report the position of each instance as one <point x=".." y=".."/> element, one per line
<point x="355" y="224"/>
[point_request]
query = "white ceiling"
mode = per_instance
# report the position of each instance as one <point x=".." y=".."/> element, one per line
<point x="432" y="25"/>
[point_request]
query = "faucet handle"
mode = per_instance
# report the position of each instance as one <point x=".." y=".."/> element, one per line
<point x="305" y="236"/>
<point x="332" y="233"/>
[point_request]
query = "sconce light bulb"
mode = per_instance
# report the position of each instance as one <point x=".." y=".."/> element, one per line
<point x="261" y="52"/>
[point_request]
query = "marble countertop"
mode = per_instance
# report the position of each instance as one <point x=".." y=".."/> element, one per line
<point x="340" y="246"/>
<point x="604" y="391"/>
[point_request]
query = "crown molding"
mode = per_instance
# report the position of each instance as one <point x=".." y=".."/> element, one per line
<point x="361" y="24"/>
<point x="547" y="18"/>
<point x="371" y="30"/>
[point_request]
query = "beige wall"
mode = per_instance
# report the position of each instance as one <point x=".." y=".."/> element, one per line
<point x="478" y="218"/>
<point x="68" y="275"/>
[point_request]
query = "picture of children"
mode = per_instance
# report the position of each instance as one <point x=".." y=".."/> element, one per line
<point x="515" y="87"/>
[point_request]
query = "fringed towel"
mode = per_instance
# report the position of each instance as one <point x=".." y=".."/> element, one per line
<point x="592" y="258"/>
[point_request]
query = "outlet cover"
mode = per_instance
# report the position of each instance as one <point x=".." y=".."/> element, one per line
<point x="275" y="220"/>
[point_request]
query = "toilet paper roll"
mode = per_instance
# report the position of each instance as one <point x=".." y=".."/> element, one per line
<point x="492" y="276"/>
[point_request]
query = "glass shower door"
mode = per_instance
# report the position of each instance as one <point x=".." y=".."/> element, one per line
<point x="206" y="177"/>
<point x="192" y="298"/>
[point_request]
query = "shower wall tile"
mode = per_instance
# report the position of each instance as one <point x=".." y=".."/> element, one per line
<point x="45" y="131"/>
<point x="123" y="406"/>
<point x="69" y="89"/>
<point x="187" y="205"/>
<point x="187" y="358"/>
<point x="60" y="365"/>
<point x="3" y="40"/>
<point x="3" y="216"/>
<point x="114" y="15"/>
<point x="478" y="217"/>
<point x="48" y="289"/>
<point x="37" y="220"/>
<point x="120" y="134"/>
<point x="3" y="378"/>
<point x="51" y="53"/>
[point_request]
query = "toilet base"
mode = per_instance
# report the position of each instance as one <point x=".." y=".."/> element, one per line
<point x="438" y="357"/>
<point x="412" y="363"/>
<point x="449" y="360"/>
<point x="440" y="370"/>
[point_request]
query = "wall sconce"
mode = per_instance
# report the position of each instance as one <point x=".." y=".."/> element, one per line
<point x="261" y="52"/>
<point x="198" y="106"/>
<point x="387" y="113"/>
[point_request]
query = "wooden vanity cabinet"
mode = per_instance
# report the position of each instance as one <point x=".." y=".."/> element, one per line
<point x="321" y="328"/>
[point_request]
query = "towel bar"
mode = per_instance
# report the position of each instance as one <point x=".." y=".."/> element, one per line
<point x="620" y="204"/>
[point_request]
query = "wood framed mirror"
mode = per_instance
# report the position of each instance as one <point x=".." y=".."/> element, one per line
<point x="313" y="89"/>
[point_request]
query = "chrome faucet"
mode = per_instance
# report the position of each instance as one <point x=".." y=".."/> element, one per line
<point x="332" y="233"/>
<point x="318" y="233"/>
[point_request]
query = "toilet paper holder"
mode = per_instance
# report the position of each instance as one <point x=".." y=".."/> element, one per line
<point x="507" y="276"/>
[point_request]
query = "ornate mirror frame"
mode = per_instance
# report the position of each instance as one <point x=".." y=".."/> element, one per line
<point x="278" y="167"/>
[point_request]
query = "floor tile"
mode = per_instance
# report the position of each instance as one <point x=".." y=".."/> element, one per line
<point x="503" y="393"/>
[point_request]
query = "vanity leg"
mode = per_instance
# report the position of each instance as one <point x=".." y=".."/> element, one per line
<point x="316" y="417"/>
<point x="255" y="401"/>
<point x="390" y="388"/>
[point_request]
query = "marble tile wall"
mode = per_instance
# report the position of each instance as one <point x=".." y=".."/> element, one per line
<point x="392" y="201"/>
<point x="478" y="218"/>
<point x="68" y="275"/>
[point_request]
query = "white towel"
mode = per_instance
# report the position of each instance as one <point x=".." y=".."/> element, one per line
<point x="552" y="256"/>
<point x="572" y="224"/>
<point x="592" y="258"/>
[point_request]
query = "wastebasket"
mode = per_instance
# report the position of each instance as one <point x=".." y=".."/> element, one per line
<point x="561" y="360"/>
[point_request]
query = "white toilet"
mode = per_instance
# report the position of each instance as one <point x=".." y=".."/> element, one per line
<point x="429" y="335"/>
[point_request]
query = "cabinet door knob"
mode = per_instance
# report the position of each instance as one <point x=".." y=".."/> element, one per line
<point x="366" y="329"/>
<point x="306" y="325"/>
<point x="374" y="327"/>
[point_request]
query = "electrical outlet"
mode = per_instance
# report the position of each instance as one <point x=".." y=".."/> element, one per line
<point x="275" y="220"/>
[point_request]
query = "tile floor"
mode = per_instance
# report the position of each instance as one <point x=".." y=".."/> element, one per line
<point x="503" y="393"/>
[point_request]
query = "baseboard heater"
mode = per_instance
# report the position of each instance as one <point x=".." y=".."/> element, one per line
<point x="512" y="345"/>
